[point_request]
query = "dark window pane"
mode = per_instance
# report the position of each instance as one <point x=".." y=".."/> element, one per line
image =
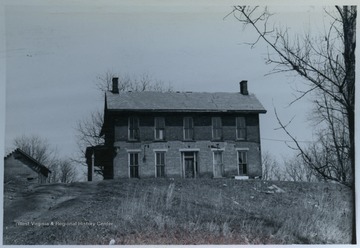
<point x="216" y="127"/>
<point x="133" y="128"/>
<point x="242" y="155"/>
<point x="160" y="164"/>
<point x="136" y="157"/>
<point x="159" y="128"/>
<point x="134" y="166"/>
<point x="131" y="159"/>
<point x="134" y="171"/>
<point x="188" y="128"/>
<point x="240" y="128"/>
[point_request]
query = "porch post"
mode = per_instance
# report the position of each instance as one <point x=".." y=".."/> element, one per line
<point x="91" y="166"/>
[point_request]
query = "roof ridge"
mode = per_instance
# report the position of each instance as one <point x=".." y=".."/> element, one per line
<point x="28" y="156"/>
<point x="172" y="101"/>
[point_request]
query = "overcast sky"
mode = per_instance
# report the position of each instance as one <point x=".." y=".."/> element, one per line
<point x="54" y="52"/>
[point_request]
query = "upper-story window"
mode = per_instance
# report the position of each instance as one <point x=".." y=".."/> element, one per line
<point x="240" y="128"/>
<point x="159" y="128"/>
<point x="188" y="128"/>
<point x="134" y="128"/>
<point x="216" y="128"/>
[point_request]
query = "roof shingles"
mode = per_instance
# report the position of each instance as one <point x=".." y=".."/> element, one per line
<point x="183" y="101"/>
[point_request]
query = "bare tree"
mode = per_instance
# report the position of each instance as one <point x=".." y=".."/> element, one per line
<point x="143" y="82"/>
<point x="88" y="134"/>
<point x="330" y="155"/>
<point x="67" y="172"/>
<point x="270" y="168"/>
<point x="40" y="149"/>
<point x="297" y="170"/>
<point x="327" y="62"/>
<point x="36" y="147"/>
<point x="88" y="129"/>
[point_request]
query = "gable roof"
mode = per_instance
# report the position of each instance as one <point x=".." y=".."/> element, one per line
<point x="183" y="102"/>
<point x="29" y="161"/>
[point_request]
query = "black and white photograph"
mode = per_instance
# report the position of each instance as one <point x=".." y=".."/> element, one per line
<point x="149" y="122"/>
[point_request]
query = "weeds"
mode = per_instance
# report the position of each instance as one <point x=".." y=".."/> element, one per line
<point x="169" y="211"/>
<point x="206" y="212"/>
<point x="170" y="195"/>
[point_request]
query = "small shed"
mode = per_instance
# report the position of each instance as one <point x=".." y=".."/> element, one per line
<point x="21" y="167"/>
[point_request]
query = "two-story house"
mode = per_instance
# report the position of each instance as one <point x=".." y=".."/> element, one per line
<point x="179" y="134"/>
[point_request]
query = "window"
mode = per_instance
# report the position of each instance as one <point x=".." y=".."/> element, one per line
<point x="242" y="161"/>
<point x="216" y="128"/>
<point x="159" y="128"/>
<point x="188" y="128"/>
<point x="134" y="165"/>
<point x="160" y="164"/>
<point x="133" y="128"/>
<point x="240" y="128"/>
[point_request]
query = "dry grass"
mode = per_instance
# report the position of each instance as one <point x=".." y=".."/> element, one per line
<point x="206" y="211"/>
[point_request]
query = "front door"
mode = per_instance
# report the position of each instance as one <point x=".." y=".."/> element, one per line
<point x="218" y="164"/>
<point x="189" y="165"/>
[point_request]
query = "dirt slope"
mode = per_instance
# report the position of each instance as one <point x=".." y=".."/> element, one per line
<point x="206" y="211"/>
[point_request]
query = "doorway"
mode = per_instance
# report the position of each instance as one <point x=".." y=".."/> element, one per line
<point x="218" y="164"/>
<point x="189" y="164"/>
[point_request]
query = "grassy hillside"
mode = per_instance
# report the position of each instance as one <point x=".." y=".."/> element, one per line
<point x="153" y="211"/>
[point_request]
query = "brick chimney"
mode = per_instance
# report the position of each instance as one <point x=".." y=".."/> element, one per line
<point x="243" y="87"/>
<point x="115" y="85"/>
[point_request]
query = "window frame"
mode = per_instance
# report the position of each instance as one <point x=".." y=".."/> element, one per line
<point x="158" y="128"/>
<point x="241" y="128"/>
<point x="133" y="130"/>
<point x="244" y="165"/>
<point x="188" y="130"/>
<point x="135" y="165"/>
<point x="160" y="165"/>
<point x="216" y="123"/>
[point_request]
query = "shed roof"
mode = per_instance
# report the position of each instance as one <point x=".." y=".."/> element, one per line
<point x="29" y="161"/>
<point x="183" y="102"/>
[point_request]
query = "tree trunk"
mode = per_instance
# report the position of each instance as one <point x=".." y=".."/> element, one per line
<point x="349" y="27"/>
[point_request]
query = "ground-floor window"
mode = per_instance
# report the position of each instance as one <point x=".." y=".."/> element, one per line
<point x="242" y="163"/>
<point x="134" y="165"/>
<point x="160" y="164"/>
